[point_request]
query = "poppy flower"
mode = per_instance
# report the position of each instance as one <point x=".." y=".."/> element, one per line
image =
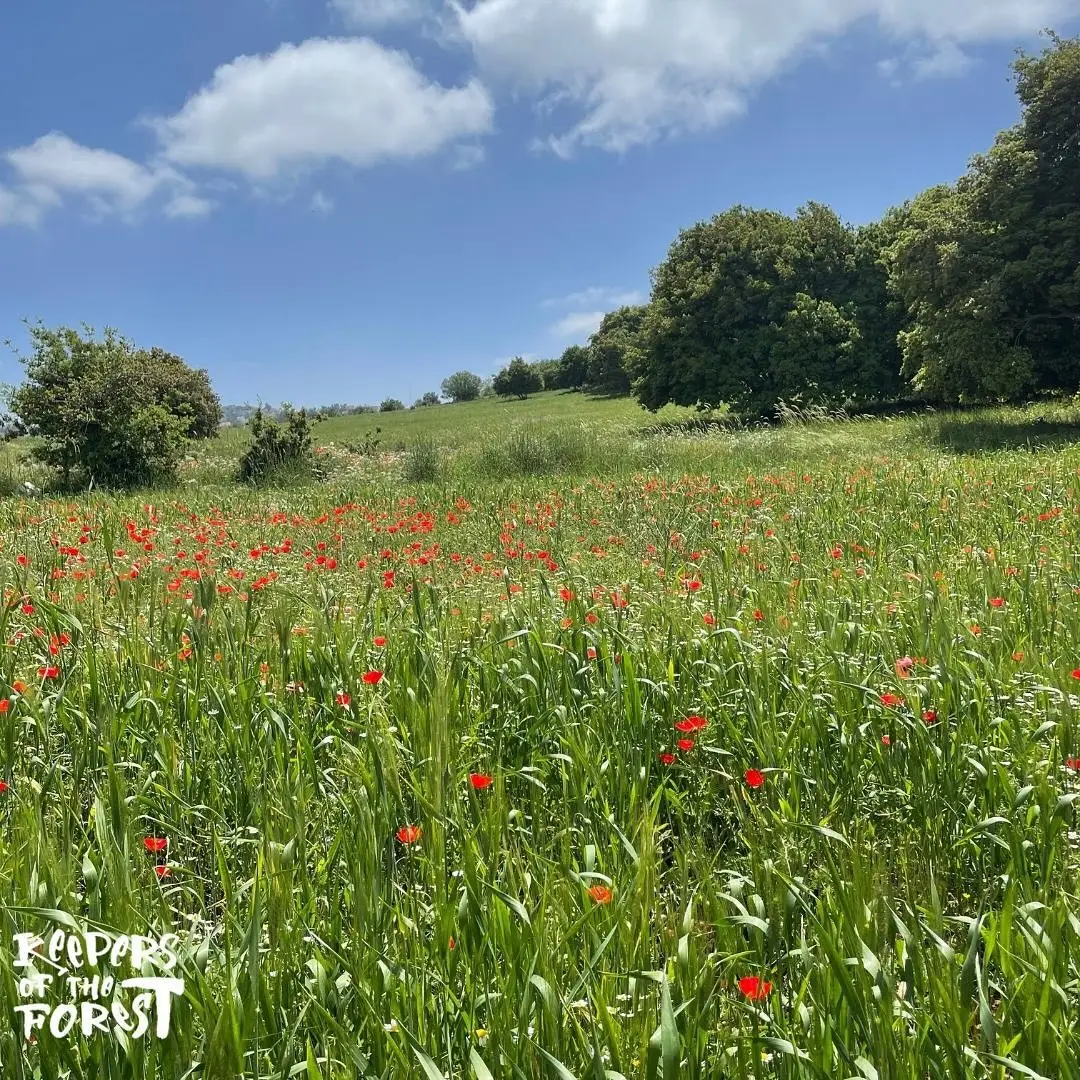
<point x="667" y="759"/>
<point x="18" y="687"/>
<point x="379" y="641"/>
<point x="5" y="704"/>
<point x="889" y="700"/>
<point x="3" y="787"/>
<point x="162" y="872"/>
<point x="754" y="778"/>
<point x="1073" y="763"/>
<point x="1018" y="657"/>
<point x="885" y="740"/>
<point x="409" y="834"/>
<point x="758" y="615"/>
<point x="50" y="672"/>
<point x="691" y="723"/>
<point x="600" y="894"/>
<point x="686" y="744"/>
<point x="930" y="715"/>
<point x="997" y="601"/>
<point x="371" y="677"/>
<point x="451" y="944"/>
<point x="343" y="699"/>
<point x="1076" y="673"/>
<point x="22" y="560"/>
<point x="155" y="843"/>
<point x="479" y="781"/>
<point x="753" y="988"/>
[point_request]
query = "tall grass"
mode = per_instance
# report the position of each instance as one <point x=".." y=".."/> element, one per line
<point x="903" y="880"/>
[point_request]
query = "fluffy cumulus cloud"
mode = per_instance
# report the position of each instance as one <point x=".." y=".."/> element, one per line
<point x="635" y="70"/>
<point x="578" y="324"/>
<point x="345" y="99"/>
<point x="55" y="169"/>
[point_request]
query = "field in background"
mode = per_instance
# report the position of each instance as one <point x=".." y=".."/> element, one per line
<point x="681" y="755"/>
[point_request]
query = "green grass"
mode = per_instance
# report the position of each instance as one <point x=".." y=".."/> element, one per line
<point x="904" y="879"/>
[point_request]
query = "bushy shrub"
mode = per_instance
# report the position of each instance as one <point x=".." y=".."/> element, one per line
<point x="278" y="451"/>
<point x="108" y="413"/>
<point x="423" y="461"/>
<point x="391" y="404"/>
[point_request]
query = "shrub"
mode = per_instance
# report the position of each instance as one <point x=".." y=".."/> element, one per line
<point x="423" y="461"/>
<point x="278" y="451"/>
<point x="109" y="413"/>
<point x="462" y="386"/>
<point x="429" y="399"/>
<point x="518" y="379"/>
<point x="391" y="405"/>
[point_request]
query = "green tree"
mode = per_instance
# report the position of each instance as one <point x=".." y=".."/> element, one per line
<point x="988" y="267"/>
<point x="391" y="404"/>
<point x="462" y="386"/>
<point x="573" y="368"/>
<point x="107" y="412"/>
<point x="611" y="350"/>
<point x="548" y="370"/>
<point x="518" y="379"/>
<point x="429" y="399"/>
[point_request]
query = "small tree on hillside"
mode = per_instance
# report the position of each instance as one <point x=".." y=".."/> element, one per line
<point x="518" y="379"/>
<point x="462" y="386"/>
<point x="110" y="413"/>
<point x="391" y="404"/>
<point x="573" y="371"/>
<point x="429" y="399"/>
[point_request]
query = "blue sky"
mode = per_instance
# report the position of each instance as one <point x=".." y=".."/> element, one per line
<point x="341" y="200"/>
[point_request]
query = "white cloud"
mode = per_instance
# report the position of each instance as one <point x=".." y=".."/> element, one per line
<point x="637" y="70"/>
<point x="362" y="14"/>
<point x="320" y="204"/>
<point x="599" y="294"/>
<point x="325" y="99"/>
<point x="186" y="205"/>
<point x="579" y="324"/>
<point x="55" y="168"/>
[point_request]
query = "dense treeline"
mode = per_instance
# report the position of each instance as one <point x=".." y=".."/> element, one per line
<point x="968" y="292"/>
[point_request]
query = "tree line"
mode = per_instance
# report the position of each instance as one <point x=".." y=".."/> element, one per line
<point x="969" y="292"/>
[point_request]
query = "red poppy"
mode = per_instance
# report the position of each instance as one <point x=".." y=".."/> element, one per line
<point x="997" y="601"/>
<point x="22" y="560"/>
<point x="930" y="715"/>
<point x="50" y="672"/>
<point x="1018" y="657"/>
<point x="451" y="944"/>
<point x="566" y="595"/>
<point x="667" y="759"/>
<point x="18" y="687"/>
<point x="5" y="704"/>
<point x="3" y="787"/>
<point x="691" y="723"/>
<point x="889" y="700"/>
<point x="885" y="740"/>
<point x="155" y="843"/>
<point x="409" y="834"/>
<point x="758" y="616"/>
<point x="343" y="699"/>
<point x="754" y="778"/>
<point x="371" y="677"/>
<point x="1076" y="673"/>
<point x="686" y="744"/>
<point x="753" y="988"/>
<point x="379" y="641"/>
<point x="1073" y="763"/>
<point x="600" y="894"/>
<point x="479" y="781"/>
<point x="162" y="872"/>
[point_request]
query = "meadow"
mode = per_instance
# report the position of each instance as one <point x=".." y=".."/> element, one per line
<point x="562" y="740"/>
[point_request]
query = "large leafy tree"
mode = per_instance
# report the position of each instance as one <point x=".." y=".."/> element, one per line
<point x="462" y="386"/>
<point x="989" y="268"/>
<point x="611" y="350"/>
<point x="573" y="368"/>
<point x="518" y="379"/>
<point x="108" y="412"/>
<point x="754" y="307"/>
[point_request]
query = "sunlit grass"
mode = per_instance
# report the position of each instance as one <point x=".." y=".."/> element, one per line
<point x="901" y="885"/>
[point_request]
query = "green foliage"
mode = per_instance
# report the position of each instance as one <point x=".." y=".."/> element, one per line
<point x="613" y="350"/>
<point x="537" y="450"/>
<point x="754" y="307"/>
<point x="518" y="379"/>
<point x="423" y="461"/>
<point x="462" y="386"/>
<point x="548" y="370"/>
<point x="108" y="413"/>
<point x="391" y="405"/>
<point x="988" y="267"/>
<point x="429" y="399"/>
<point x="278" y="451"/>
<point x="573" y="368"/>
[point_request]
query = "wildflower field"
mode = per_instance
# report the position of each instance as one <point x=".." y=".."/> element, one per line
<point x="763" y="768"/>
